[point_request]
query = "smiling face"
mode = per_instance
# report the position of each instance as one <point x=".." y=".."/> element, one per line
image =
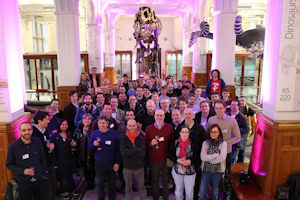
<point x="114" y="103"/>
<point x="64" y="126"/>
<point x="103" y="125"/>
<point x="220" y="109"/>
<point x="188" y="115"/>
<point x="234" y="107"/>
<point x="131" y="126"/>
<point x="204" y="107"/>
<point x="159" y="116"/>
<point x="25" y="131"/>
<point x="214" y="133"/>
<point x="184" y="134"/>
<point x="86" y="121"/>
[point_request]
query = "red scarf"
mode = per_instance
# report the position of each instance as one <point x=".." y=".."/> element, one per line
<point x="132" y="136"/>
<point x="183" y="146"/>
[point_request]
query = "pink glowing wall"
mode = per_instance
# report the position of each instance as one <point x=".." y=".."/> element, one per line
<point x="271" y="52"/>
<point x="13" y="56"/>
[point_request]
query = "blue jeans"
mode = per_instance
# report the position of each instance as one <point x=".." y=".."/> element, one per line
<point x="184" y="182"/>
<point x="207" y="179"/>
<point x="104" y="171"/>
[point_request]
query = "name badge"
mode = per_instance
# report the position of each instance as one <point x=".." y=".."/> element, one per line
<point x="108" y="142"/>
<point x="161" y="139"/>
<point x="225" y="131"/>
<point x="25" y="156"/>
<point x="112" y="125"/>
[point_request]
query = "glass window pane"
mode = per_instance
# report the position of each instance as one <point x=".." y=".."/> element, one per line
<point x="250" y="75"/>
<point x="35" y="47"/>
<point x="237" y="71"/>
<point x="82" y="64"/>
<point x="44" y="73"/>
<point x="172" y="64"/>
<point x="118" y="65"/>
<point x="30" y="76"/>
<point x="39" y="32"/>
<point x="55" y="68"/>
<point x="40" y="49"/>
<point x="126" y="67"/>
<point x="179" y="66"/>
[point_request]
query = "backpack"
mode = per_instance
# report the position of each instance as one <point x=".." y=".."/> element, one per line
<point x="294" y="182"/>
<point x="11" y="190"/>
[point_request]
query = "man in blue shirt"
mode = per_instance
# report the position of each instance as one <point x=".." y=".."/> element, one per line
<point x="105" y="144"/>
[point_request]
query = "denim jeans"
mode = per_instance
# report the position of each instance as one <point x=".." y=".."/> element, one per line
<point x="213" y="179"/>
<point x="184" y="182"/>
<point x="104" y="171"/>
<point x="139" y="176"/>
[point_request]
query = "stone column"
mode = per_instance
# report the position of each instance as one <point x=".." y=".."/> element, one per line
<point x="109" y="50"/>
<point x="187" y="54"/>
<point x="199" y="75"/>
<point x="94" y="47"/>
<point x="223" y="57"/>
<point x="68" y="49"/>
<point x="276" y="144"/>
<point x="12" y="82"/>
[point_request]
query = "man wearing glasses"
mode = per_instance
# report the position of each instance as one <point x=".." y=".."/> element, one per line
<point x="158" y="139"/>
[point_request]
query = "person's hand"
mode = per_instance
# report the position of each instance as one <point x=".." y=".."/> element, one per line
<point x="116" y="167"/>
<point x="154" y="142"/>
<point x="73" y="143"/>
<point x="118" y="122"/>
<point x="96" y="143"/>
<point x="29" y="172"/>
<point x="205" y="153"/>
<point x="186" y="163"/>
<point x="51" y="146"/>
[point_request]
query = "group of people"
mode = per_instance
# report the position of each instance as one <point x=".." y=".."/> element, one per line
<point x="143" y="129"/>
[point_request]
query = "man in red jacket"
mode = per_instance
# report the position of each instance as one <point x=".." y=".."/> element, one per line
<point x="158" y="139"/>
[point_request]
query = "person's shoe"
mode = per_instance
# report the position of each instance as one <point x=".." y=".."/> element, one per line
<point x="65" y="195"/>
<point x="75" y="192"/>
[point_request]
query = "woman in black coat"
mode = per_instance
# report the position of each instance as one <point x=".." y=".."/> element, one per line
<point x="63" y="143"/>
<point x="86" y="157"/>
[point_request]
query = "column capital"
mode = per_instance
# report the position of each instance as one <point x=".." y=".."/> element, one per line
<point x="66" y="6"/>
<point x="225" y="5"/>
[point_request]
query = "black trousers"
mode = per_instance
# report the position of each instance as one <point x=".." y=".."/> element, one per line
<point x="28" y="188"/>
<point x="104" y="171"/>
<point x="156" y="169"/>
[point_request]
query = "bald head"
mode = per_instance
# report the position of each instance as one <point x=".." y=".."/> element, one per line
<point x="131" y="126"/>
<point x="188" y="115"/>
<point x="159" y="116"/>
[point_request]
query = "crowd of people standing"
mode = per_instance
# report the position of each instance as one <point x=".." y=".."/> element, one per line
<point x="144" y="128"/>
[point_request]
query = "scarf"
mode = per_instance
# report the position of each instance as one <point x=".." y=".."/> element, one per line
<point x="132" y="136"/>
<point x="183" y="146"/>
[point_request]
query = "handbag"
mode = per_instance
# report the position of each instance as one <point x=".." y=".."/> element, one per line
<point x="225" y="183"/>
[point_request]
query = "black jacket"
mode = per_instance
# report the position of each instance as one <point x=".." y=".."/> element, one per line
<point x="97" y="80"/>
<point x="243" y="123"/>
<point x="133" y="155"/>
<point x="198" y="135"/>
<point x="21" y="156"/>
<point x="70" y="112"/>
<point x="37" y="134"/>
<point x="195" y="159"/>
<point x="198" y="117"/>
